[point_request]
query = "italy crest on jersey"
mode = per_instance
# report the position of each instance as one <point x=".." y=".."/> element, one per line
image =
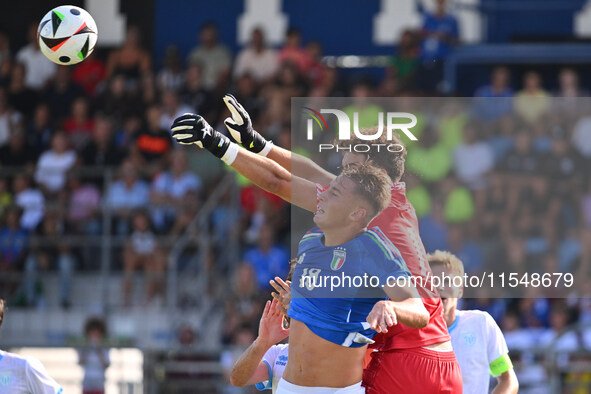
<point x="338" y="258"/>
<point x="5" y="379"/>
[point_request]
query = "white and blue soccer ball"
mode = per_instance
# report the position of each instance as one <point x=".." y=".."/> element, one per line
<point x="67" y="35"/>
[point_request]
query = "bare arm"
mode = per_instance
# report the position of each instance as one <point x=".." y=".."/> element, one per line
<point x="300" y="166"/>
<point x="250" y="369"/>
<point x="275" y="179"/>
<point x="407" y="305"/>
<point x="507" y="383"/>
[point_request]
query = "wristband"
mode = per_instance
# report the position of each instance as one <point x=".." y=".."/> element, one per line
<point x="230" y="154"/>
<point x="265" y="151"/>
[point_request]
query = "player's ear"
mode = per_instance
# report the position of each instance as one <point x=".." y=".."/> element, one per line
<point x="461" y="292"/>
<point x="359" y="214"/>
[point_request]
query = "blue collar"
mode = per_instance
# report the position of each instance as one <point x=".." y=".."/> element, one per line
<point x="454" y="324"/>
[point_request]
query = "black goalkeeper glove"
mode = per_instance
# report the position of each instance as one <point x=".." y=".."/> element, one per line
<point x="240" y="128"/>
<point x="193" y="129"/>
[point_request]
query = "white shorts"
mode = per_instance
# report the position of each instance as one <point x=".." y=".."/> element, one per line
<point x="284" y="387"/>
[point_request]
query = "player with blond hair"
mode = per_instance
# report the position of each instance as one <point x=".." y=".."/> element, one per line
<point x="477" y="339"/>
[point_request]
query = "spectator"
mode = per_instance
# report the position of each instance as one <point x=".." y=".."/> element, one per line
<point x="8" y="117"/>
<point x="257" y="60"/>
<point x="154" y="141"/>
<point x="439" y="35"/>
<point x="433" y="228"/>
<point x="459" y="202"/>
<point x="79" y="125"/>
<point x="39" y="69"/>
<point x="117" y="103"/>
<point x="130" y="60"/>
<point x="247" y="94"/>
<point x="83" y="205"/>
<point x="126" y="194"/>
<point x="316" y="71"/>
<point x="101" y="151"/>
<point x="17" y="152"/>
<point x="522" y="160"/>
<point x="89" y="74"/>
<point x="470" y="252"/>
<point x="172" y="189"/>
<point x="49" y="251"/>
<point x="5" y="195"/>
<point x="492" y="218"/>
<point x="194" y="94"/>
<point x="30" y="200"/>
<point x="142" y="251"/>
<point x="40" y="131"/>
<point x="13" y="249"/>
<point x="268" y="258"/>
<point x="214" y="58"/>
<point x="60" y="94"/>
<point x="21" y="98"/>
<point x="532" y="102"/>
<point x="54" y="163"/>
<point x="4" y="47"/>
<point x="431" y="161"/>
<point x="569" y="86"/>
<point x="581" y="139"/>
<point x="293" y="53"/>
<point x="171" y="75"/>
<point x="564" y="167"/>
<point x="403" y="65"/>
<point x="94" y="357"/>
<point x="172" y="108"/>
<point x="494" y="101"/>
<point x="473" y="159"/>
<point x="368" y="112"/>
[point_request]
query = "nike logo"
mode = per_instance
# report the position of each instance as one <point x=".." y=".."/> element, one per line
<point x="252" y="144"/>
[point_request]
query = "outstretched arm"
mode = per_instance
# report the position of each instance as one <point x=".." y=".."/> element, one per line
<point x="240" y="127"/>
<point x="265" y="173"/>
<point x="250" y="368"/>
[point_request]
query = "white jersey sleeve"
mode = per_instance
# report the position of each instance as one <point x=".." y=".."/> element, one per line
<point x="496" y="345"/>
<point x="269" y="359"/>
<point x="276" y="360"/>
<point x="38" y="380"/>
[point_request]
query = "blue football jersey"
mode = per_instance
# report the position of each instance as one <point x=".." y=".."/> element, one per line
<point x="335" y="287"/>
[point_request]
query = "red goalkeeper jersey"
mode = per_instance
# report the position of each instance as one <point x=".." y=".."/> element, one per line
<point x="399" y="222"/>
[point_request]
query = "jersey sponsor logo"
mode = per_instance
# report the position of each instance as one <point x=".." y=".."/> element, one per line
<point x="282" y="360"/>
<point x="469" y="338"/>
<point x="5" y="379"/>
<point x="338" y="258"/>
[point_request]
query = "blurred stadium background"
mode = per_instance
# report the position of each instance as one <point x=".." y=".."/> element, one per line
<point x="91" y="183"/>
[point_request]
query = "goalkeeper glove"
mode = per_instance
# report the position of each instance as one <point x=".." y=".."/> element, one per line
<point x="240" y="127"/>
<point x="193" y="129"/>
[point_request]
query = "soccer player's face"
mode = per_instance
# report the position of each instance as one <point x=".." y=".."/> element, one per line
<point x="336" y="204"/>
<point x="448" y="293"/>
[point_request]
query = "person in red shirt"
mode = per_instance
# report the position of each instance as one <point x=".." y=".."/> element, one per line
<point x="402" y="356"/>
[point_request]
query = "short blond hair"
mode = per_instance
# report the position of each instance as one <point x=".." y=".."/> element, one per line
<point x="448" y="260"/>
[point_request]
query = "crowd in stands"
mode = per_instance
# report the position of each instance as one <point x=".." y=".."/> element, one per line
<point x="501" y="177"/>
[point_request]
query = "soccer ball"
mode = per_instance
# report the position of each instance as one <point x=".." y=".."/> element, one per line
<point x="67" y="35"/>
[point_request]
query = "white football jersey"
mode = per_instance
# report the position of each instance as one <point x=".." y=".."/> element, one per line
<point x="25" y="375"/>
<point x="276" y="360"/>
<point x="477" y="341"/>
